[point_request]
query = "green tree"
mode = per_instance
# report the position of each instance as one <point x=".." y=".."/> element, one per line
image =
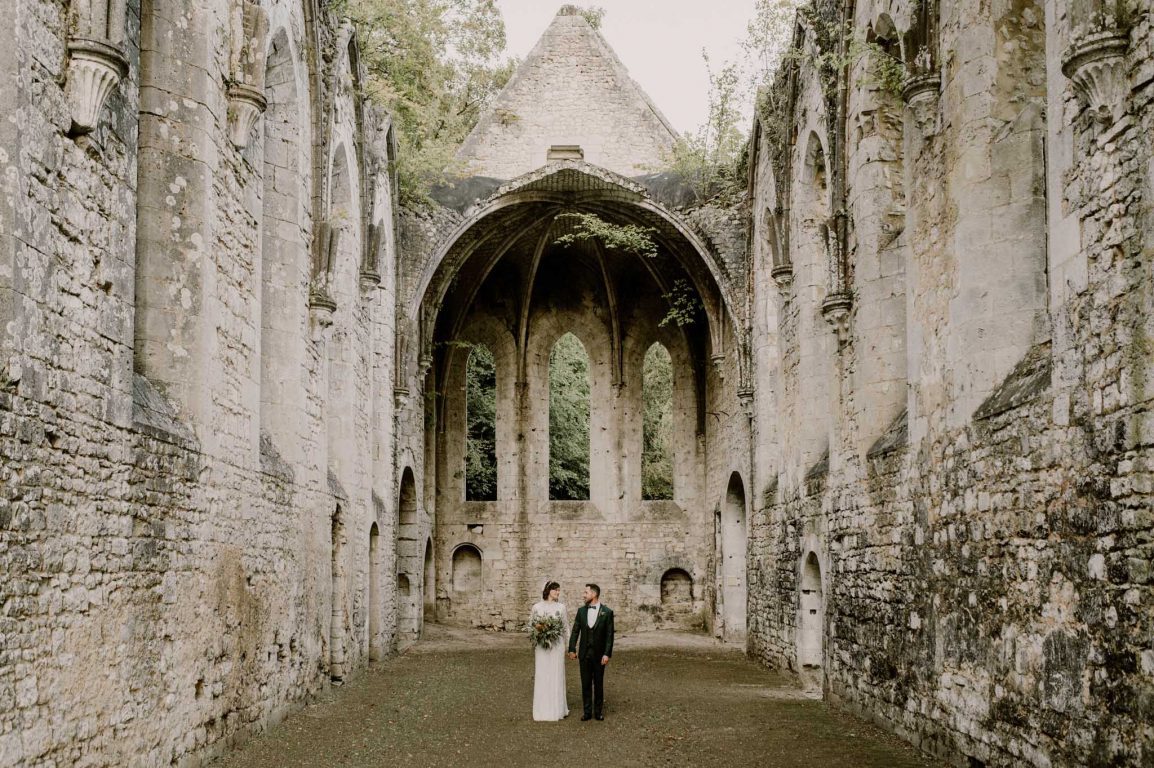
<point x="435" y="65"/>
<point x="657" y="425"/>
<point x="481" y="426"/>
<point x="707" y="158"/>
<point x="768" y="37"/>
<point x="568" y="420"/>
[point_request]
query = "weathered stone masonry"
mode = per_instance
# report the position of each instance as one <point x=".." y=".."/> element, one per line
<point x="973" y="549"/>
<point x="184" y="555"/>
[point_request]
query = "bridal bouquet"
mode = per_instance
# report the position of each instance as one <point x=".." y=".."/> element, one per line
<point x="544" y="630"/>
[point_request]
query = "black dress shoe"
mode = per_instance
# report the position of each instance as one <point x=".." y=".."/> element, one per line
<point x="599" y="717"/>
<point x="586" y="717"/>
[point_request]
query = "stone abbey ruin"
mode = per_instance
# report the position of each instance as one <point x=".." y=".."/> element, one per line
<point x="912" y="442"/>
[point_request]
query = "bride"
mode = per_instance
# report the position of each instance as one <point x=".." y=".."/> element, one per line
<point x="549" y="699"/>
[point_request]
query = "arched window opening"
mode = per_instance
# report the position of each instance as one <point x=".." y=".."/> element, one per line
<point x="810" y="606"/>
<point x="282" y="246"/>
<point x="568" y="420"/>
<point x="480" y="426"/>
<point x="466" y="569"/>
<point x="408" y="505"/>
<point x="657" y="425"/>
<point x="376" y="648"/>
<point x="815" y="168"/>
<point x="430" y="591"/>
<point x="677" y="590"/>
<point x="733" y="551"/>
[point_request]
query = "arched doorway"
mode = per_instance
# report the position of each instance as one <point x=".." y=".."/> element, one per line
<point x="338" y="608"/>
<point x="677" y="597"/>
<point x="810" y="624"/>
<point x="732" y="557"/>
<point x="408" y="564"/>
<point x="376" y="638"/>
<point x="429" y="592"/>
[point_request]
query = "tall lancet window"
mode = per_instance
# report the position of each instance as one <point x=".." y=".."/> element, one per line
<point x="568" y="420"/>
<point x="657" y="425"/>
<point x="481" y="426"/>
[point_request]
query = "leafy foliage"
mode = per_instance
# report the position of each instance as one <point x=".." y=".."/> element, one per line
<point x="628" y="238"/>
<point x="594" y="14"/>
<point x="657" y="425"/>
<point x="887" y="72"/>
<point x="545" y="630"/>
<point x="768" y="37"/>
<point x="435" y="65"/>
<point x="481" y="426"/>
<point x="707" y="157"/>
<point x="568" y="420"/>
<point x="684" y="304"/>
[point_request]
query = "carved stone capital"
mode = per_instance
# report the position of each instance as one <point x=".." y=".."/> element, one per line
<point x="424" y="365"/>
<point x="921" y="94"/>
<point x="835" y="309"/>
<point x="321" y="306"/>
<point x="782" y="274"/>
<point x="370" y="279"/>
<point x="1096" y="66"/>
<point x="745" y="397"/>
<point x="245" y="106"/>
<point x="95" y="68"/>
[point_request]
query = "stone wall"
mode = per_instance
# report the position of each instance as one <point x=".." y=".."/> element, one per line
<point x="972" y="558"/>
<point x="167" y="503"/>
<point x="571" y="90"/>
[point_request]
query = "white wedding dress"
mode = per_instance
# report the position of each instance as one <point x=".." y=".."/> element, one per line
<point x="549" y="699"/>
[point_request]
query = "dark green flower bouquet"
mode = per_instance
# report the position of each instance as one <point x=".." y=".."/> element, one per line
<point x="544" y="631"/>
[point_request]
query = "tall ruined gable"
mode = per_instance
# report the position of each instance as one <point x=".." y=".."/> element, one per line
<point x="571" y="90"/>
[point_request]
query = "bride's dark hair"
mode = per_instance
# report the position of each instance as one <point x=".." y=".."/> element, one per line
<point x="549" y="587"/>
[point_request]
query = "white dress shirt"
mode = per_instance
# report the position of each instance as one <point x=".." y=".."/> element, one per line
<point x="591" y="614"/>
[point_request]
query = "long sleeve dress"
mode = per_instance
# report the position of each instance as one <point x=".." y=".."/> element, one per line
<point x="549" y="697"/>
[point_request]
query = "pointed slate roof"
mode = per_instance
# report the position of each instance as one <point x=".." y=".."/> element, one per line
<point x="571" y="90"/>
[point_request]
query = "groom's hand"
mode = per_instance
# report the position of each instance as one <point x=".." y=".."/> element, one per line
<point x="604" y="660"/>
<point x="572" y="655"/>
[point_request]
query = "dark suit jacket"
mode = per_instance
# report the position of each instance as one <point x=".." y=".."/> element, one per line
<point x="595" y="642"/>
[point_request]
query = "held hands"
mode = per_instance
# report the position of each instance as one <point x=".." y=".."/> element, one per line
<point x="604" y="660"/>
<point x="572" y="655"/>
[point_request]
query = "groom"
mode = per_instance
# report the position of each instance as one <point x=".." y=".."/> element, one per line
<point x="594" y="626"/>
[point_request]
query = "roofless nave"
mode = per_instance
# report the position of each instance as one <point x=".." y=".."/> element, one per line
<point x="911" y="431"/>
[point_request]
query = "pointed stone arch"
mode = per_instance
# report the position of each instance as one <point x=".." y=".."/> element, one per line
<point x="428" y="586"/>
<point x="284" y="256"/>
<point x="657" y="428"/>
<point x="519" y="206"/>
<point x="409" y="566"/>
<point x="732" y="543"/>
<point x="338" y="619"/>
<point x="481" y="465"/>
<point x="569" y="403"/>
<point x="375" y="597"/>
<point x="811" y="621"/>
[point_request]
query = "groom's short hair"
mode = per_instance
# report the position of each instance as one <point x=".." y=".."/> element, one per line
<point x="596" y="589"/>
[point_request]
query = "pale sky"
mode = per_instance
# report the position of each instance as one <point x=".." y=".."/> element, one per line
<point x="659" y="41"/>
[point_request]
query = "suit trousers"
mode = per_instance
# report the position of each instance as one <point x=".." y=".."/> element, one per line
<point x="592" y="685"/>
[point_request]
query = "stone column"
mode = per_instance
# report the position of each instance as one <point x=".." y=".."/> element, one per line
<point x="178" y="158"/>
